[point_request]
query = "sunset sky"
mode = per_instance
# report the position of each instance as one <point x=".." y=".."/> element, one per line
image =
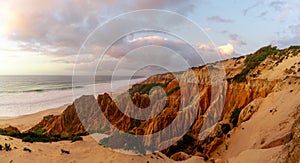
<point x="44" y="37"/>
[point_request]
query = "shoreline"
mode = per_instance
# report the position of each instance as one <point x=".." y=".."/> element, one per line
<point x="25" y="122"/>
<point x="20" y="104"/>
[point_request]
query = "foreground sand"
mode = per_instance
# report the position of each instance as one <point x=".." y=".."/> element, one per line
<point x="81" y="151"/>
<point x="87" y="150"/>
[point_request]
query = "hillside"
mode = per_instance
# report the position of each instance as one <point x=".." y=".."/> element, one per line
<point x="243" y="109"/>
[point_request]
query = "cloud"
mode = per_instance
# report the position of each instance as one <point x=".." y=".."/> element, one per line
<point x="182" y="7"/>
<point x="212" y="53"/>
<point x="129" y="53"/>
<point x="262" y="14"/>
<point x="226" y="50"/>
<point x="124" y="46"/>
<point x="245" y="11"/>
<point x="236" y="40"/>
<point x="277" y="5"/>
<point x="218" y="19"/>
<point x="284" y="8"/>
<point x="64" y="25"/>
<point x="292" y="40"/>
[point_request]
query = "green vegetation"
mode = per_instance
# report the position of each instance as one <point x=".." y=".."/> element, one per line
<point x="183" y="145"/>
<point x="3" y="132"/>
<point x="200" y="149"/>
<point x="70" y="130"/>
<point x="33" y="137"/>
<point x="76" y="138"/>
<point x="253" y="61"/>
<point x="134" y="123"/>
<point x="145" y="88"/>
<point x="27" y="149"/>
<point x="65" y="151"/>
<point x="7" y="147"/>
<point x="173" y="90"/>
<point x="294" y="48"/>
<point x="39" y="130"/>
<point x="206" y="158"/>
<point x="39" y="136"/>
<point x="225" y="128"/>
<point x="188" y="138"/>
<point x="234" y="117"/>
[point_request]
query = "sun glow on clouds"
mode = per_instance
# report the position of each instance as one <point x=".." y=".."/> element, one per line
<point x="148" y="38"/>
<point x="226" y="50"/>
<point x="24" y="62"/>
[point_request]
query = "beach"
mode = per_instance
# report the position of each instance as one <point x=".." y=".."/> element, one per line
<point x="87" y="150"/>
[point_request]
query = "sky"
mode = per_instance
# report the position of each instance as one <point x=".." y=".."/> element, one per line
<point x="46" y="37"/>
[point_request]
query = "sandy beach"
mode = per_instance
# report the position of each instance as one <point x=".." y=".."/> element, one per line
<point x="25" y="122"/>
<point x="87" y="150"/>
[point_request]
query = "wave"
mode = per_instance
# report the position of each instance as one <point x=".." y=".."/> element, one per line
<point x="42" y="90"/>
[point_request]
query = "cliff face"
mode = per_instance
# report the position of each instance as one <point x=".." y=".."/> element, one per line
<point x="65" y="124"/>
<point x="209" y="103"/>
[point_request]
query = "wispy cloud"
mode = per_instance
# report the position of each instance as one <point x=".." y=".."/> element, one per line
<point x="294" y="39"/>
<point x="245" y="11"/>
<point x="218" y="19"/>
<point x="262" y="14"/>
<point x="236" y="40"/>
<point x="278" y="5"/>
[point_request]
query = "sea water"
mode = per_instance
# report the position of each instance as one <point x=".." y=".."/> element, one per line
<point x="21" y="95"/>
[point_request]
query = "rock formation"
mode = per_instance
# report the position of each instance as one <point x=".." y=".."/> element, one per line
<point x="213" y="105"/>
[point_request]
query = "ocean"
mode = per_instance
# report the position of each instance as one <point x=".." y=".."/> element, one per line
<point x="21" y="95"/>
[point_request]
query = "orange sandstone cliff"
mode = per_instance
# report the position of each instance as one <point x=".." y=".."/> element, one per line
<point x="237" y="108"/>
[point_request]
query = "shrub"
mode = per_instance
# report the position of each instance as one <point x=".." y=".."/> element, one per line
<point x="182" y="145"/>
<point x="188" y="139"/>
<point x="76" y="138"/>
<point x="7" y="147"/>
<point x="173" y="90"/>
<point x="253" y="60"/>
<point x="134" y="123"/>
<point x="200" y="149"/>
<point x="225" y="128"/>
<point x="39" y="130"/>
<point x="145" y="88"/>
<point x="234" y="117"/>
<point x="27" y="139"/>
<point x="27" y="149"/>
<point x="33" y="137"/>
<point x="206" y="158"/>
<point x="294" y="47"/>
<point x="64" y="151"/>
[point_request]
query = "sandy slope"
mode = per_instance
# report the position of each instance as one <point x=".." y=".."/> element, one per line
<point x="259" y="139"/>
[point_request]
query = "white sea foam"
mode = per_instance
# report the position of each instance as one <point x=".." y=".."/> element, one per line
<point x="22" y="103"/>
